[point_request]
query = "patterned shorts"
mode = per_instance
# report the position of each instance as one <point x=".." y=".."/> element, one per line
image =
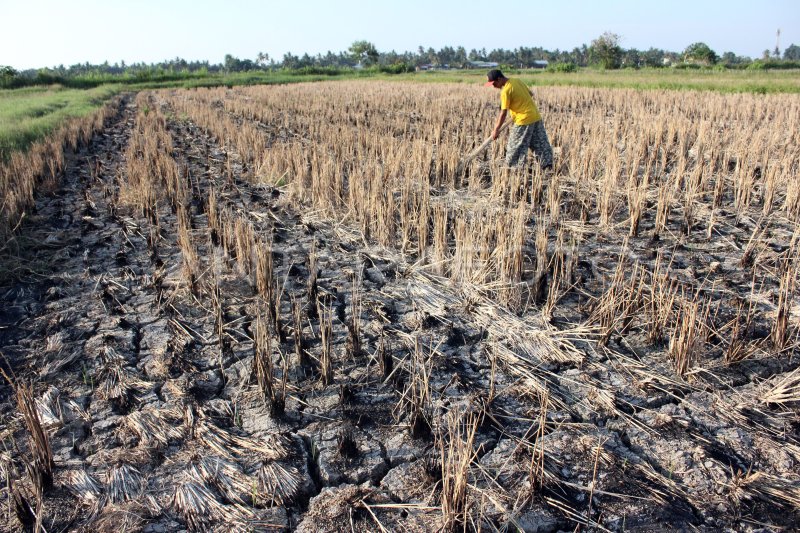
<point x="531" y="136"/>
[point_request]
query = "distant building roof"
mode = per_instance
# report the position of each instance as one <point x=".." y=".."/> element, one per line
<point x="483" y="64"/>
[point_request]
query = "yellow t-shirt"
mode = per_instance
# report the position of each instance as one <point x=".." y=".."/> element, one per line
<point x="515" y="97"/>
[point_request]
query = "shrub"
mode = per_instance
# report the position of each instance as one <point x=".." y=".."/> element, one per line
<point x="770" y="64"/>
<point x="397" y="68"/>
<point x="562" y="67"/>
<point x="9" y="77"/>
<point x="324" y="71"/>
<point x="701" y="53"/>
<point x="689" y="66"/>
<point x="605" y="51"/>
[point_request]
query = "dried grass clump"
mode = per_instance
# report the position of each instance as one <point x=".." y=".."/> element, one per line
<point x="455" y="444"/>
<point x="190" y="261"/>
<point x="48" y="407"/>
<point x="326" y="353"/>
<point x="198" y="506"/>
<point x="786" y="391"/>
<point x="780" y="327"/>
<point x="689" y="335"/>
<point x="264" y="271"/>
<point x="264" y="368"/>
<point x="117" y="382"/>
<point x="418" y="394"/>
<point x="354" y="324"/>
<point x="277" y="484"/>
<point x="537" y="472"/>
<point x="42" y="464"/>
<point x="384" y="356"/>
<point x="124" y="482"/>
<point x="262" y="357"/>
<point x="156" y="426"/>
<point x="615" y="310"/>
<point x="231" y="446"/>
<point x="85" y="487"/>
<point x="120" y="518"/>
<point x="738" y="348"/>
<point x="303" y="360"/>
<point x="225" y="476"/>
<point x="661" y="300"/>
<point x="774" y="490"/>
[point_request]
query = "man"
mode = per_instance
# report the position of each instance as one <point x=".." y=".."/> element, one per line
<point x="528" y="130"/>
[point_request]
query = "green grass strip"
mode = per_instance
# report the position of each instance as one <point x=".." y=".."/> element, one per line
<point x="30" y="114"/>
<point x="724" y="81"/>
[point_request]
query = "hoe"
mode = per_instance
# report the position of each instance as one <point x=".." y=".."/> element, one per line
<point x="467" y="159"/>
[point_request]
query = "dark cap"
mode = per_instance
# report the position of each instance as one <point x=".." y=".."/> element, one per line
<point x="493" y="75"/>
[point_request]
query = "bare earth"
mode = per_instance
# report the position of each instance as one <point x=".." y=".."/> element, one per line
<point x="157" y="423"/>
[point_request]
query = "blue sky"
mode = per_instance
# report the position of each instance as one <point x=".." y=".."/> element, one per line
<point x="39" y="33"/>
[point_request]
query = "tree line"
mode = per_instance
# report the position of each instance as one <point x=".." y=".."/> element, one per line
<point x="605" y="52"/>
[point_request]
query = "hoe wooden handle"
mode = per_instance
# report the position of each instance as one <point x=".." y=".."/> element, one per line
<point x="487" y="142"/>
<point x="470" y="156"/>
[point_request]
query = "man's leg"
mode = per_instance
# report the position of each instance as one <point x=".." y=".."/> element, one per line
<point x="517" y="148"/>
<point x="541" y="145"/>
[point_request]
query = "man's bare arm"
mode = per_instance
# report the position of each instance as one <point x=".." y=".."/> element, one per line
<point x="500" y="119"/>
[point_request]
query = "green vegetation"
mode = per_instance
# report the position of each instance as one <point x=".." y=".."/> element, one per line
<point x="364" y="52"/>
<point x="698" y="78"/>
<point x="728" y="81"/>
<point x="31" y="113"/>
<point x="153" y="78"/>
<point x="700" y="53"/>
<point x="562" y="67"/>
<point x="606" y="51"/>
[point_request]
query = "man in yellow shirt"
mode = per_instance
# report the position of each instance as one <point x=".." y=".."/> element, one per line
<point x="528" y="130"/>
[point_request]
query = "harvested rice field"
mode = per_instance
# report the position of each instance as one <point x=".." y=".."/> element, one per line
<point x="291" y="308"/>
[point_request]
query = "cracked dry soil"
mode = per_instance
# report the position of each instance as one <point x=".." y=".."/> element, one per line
<point x="157" y="424"/>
